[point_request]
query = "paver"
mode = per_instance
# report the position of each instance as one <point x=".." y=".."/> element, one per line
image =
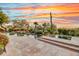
<point x="28" y="46"/>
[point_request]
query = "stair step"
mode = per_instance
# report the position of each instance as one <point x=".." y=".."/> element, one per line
<point x="61" y="44"/>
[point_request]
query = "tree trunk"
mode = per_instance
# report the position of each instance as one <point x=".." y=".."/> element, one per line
<point x="51" y="20"/>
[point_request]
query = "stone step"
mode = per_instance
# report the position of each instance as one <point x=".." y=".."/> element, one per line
<point x="75" y="45"/>
<point x="61" y="44"/>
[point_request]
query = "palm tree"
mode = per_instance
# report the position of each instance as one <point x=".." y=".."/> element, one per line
<point x="35" y="29"/>
<point x="35" y="23"/>
<point x="44" y="26"/>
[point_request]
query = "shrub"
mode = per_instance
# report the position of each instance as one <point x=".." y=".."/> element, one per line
<point x="65" y="37"/>
<point x="3" y="42"/>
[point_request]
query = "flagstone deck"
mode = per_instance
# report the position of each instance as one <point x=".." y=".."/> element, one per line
<point x="29" y="46"/>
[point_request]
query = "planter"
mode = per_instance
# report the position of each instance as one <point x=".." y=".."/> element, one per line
<point x="27" y="33"/>
<point x="65" y="37"/>
<point x="11" y="33"/>
<point x="52" y="35"/>
<point x="20" y="34"/>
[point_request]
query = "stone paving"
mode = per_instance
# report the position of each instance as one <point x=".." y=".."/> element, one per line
<point x="29" y="46"/>
<point x="74" y="40"/>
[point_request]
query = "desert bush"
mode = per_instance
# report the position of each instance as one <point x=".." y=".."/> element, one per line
<point x="65" y="37"/>
<point x="3" y="42"/>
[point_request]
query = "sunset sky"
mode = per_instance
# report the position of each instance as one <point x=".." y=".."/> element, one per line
<point x="62" y="13"/>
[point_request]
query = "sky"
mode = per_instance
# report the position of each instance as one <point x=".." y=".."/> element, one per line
<point x="62" y="13"/>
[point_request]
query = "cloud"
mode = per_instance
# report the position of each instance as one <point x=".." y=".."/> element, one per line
<point x="51" y="7"/>
<point x="71" y="14"/>
<point x="66" y="11"/>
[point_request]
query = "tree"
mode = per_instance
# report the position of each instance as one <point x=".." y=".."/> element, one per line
<point x="3" y="17"/>
<point x="44" y="27"/>
<point x="35" y="23"/>
<point x="3" y="38"/>
<point x="51" y="20"/>
<point x="52" y="26"/>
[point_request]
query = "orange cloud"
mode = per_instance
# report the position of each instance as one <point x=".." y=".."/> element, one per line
<point x="69" y="7"/>
<point x="62" y="22"/>
<point x="46" y="15"/>
<point x="56" y="15"/>
<point x="66" y="7"/>
<point x="22" y="16"/>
